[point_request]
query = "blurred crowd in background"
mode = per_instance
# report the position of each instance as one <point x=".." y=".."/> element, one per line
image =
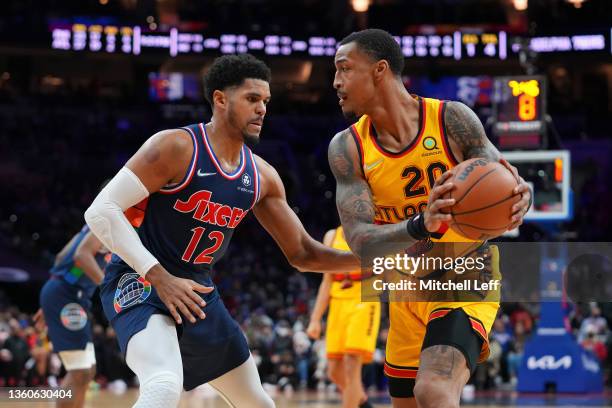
<point x="273" y="320"/>
<point x="63" y="130"/>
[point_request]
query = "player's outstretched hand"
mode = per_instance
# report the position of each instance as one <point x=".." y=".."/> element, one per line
<point x="39" y="320"/>
<point x="314" y="329"/>
<point x="178" y="294"/>
<point x="520" y="208"/>
<point x="433" y="217"/>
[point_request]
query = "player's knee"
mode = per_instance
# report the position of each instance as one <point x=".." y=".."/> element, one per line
<point x="335" y="372"/>
<point x="430" y="393"/>
<point x="334" y="375"/>
<point x="167" y="380"/>
<point x="80" y="378"/>
<point x="351" y="366"/>
<point x="165" y="387"/>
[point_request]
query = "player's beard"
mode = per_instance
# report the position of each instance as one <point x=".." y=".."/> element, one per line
<point x="350" y="115"/>
<point x="248" y="138"/>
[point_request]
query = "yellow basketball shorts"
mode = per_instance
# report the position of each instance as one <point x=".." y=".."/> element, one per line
<point x="408" y="327"/>
<point x="352" y="328"/>
<point x="418" y="325"/>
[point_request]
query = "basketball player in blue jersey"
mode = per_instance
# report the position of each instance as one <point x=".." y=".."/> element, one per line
<point x="65" y="301"/>
<point x="186" y="190"/>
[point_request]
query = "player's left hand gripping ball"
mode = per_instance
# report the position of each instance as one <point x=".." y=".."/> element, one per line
<point x="521" y="207"/>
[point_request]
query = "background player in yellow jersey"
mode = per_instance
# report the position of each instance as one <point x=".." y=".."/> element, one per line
<point x="352" y="327"/>
<point x="390" y="169"/>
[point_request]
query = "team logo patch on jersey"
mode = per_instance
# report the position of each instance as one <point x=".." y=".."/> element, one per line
<point x="246" y="180"/>
<point x="429" y="143"/>
<point x="132" y="289"/>
<point x="73" y="316"/>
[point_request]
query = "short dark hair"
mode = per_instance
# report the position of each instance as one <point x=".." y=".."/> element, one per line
<point x="232" y="70"/>
<point x="379" y="45"/>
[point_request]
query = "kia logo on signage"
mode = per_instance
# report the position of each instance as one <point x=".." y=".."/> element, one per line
<point x="549" y="363"/>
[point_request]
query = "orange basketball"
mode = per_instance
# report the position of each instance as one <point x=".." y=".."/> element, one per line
<point x="484" y="198"/>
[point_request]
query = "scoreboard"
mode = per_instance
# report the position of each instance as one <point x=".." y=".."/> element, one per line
<point x="109" y="36"/>
<point x="135" y="40"/>
<point x="519" y="111"/>
<point x="458" y="45"/>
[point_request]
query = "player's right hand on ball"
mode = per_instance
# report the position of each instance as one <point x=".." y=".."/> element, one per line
<point x="178" y="294"/>
<point x="314" y="329"/>
<point x="433" y="217"/>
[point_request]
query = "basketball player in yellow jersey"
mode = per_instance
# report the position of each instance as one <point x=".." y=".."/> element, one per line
<point x="391" y="173"/>
<point x="352" y="327"/>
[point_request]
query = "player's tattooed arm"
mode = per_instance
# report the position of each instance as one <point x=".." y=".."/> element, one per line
<point x="467" y="133"/>
<point x="356" y="205"/>
<point x="463" y="127"/>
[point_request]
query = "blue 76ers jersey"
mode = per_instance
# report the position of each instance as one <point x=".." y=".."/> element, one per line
<point x="188" y="226"/>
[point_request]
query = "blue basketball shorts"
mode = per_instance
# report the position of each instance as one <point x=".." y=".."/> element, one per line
<point x="66" y="310"/>
<point x="209" y="347"/>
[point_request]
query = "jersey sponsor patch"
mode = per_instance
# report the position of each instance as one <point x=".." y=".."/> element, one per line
<point x="132" y="289"/>
<point x="430" y="143"/>
<point x="73" y="316"/>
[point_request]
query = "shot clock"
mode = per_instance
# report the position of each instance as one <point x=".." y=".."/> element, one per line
<point x="519" y="111"/>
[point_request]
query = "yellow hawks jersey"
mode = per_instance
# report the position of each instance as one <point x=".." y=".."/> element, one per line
<point x="345" y="285"/>
<point x="401" y="181"/>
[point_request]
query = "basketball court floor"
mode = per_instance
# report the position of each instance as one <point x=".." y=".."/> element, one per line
<point x="106" y="399"/>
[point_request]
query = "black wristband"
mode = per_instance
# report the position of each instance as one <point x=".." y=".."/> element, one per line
<point x="415" y="226"/>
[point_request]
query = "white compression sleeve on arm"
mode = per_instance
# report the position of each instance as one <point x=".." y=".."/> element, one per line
<point x="106" y="219"/>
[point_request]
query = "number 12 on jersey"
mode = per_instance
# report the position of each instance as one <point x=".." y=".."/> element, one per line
<point x="205" y="256"/>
